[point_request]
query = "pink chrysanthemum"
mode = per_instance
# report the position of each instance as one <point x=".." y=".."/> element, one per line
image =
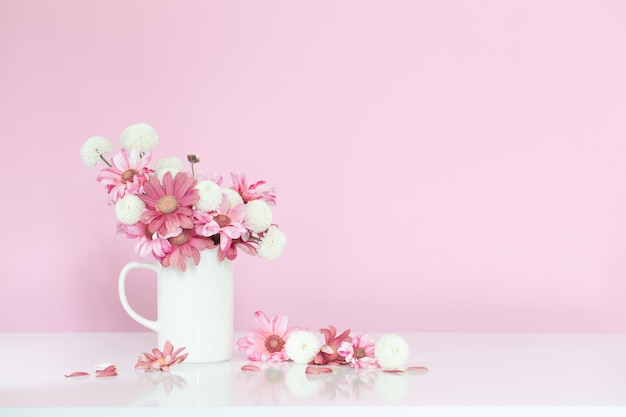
<point x="256" y="191"/>
<point x="328" y="354"/>
<point x="148" y="242"/>
<point x="169" y="206"/>
<point x="160" y="361"/>
<point x="227" y="222"/>
<point x="266" y="341"/>
<point x="359" y="353"/>
<point x="187" y="244"/>
<point x="127" y="175"/>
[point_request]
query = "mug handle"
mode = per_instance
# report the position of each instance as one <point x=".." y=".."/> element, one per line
<point x="150" y="324"/>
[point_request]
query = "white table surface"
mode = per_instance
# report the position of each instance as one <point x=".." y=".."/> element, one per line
<point x="469" y="374"/>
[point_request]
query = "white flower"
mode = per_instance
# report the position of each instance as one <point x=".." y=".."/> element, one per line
<point x="171" y="165"/>
<point x="258" y="215"/>
<point x="233" y="197"/>
<point x="92" y="149"/>
<point x="391" y="351"/>
<point x="302" y="346"/>
<point x="210" y="195"/>
<point x="128" y="209"/>
<point x="272" y="244"/>
<point x="140" y="136"/>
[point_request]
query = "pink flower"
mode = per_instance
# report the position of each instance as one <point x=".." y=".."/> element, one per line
<point x="359" y="353"/>
<point x="227" y="222"/>
<point x="169" y="206"/>
<point x="148" y="242"/>
<point x="187" y="244"/>
<point x="266" y="341"/>
<point x="256" y="191"/>
<point x="127" y="175"/>
<point x="160" y="361"/>
<point x="329" y="351"/>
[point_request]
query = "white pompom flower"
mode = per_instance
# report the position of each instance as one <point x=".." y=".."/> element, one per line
<point x="128" y="209"/>
<point x="171" y="165"/>
<point x="140" y="136"/>
<point x="391" y="351"/>
<point x="302" y="346"/>
<point x="233" y="197"/>
<point x="210" y="195"/>
<point x="93" y="149"/>
<point x="258" y="215"/>
<point x="272" y="244"/>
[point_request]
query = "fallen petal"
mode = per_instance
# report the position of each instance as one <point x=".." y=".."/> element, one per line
<point x="315" y="370"/>
<point x="393" y="371"/>
<point x="77" y="375"/>
<point x="101" y="374"/>
<point x="416" y="370"/>
<point x="250" y="368"/>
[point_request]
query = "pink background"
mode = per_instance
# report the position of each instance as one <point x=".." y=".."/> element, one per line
<point x="440" y="165"/>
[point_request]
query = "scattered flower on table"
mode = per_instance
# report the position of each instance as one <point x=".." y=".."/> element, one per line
<point x="177" y="214"/>
<point x="391" y="351"/>
<point x="302" y="346"/>
<point x="266" y="342"/>
<point x="359" y="353"/>
<point x="328" y="354"/>
<point x="161" y="360"/>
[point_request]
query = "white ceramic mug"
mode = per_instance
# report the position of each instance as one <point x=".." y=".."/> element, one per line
<point x="195" y="307"/>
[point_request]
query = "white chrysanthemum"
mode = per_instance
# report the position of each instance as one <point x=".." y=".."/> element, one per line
<point x="140" y="136"/>
<point x="233" y="197"/>
<point x="391" y="351"/>
<point x="302" y="346"/>
<point x="210" y="195"/>
<point x="171" y="165"/>
<point x="92" y="149"/>
<point x="128" y="209"/>
<point x="272" y="244"/>
<point x="258" y="215"/>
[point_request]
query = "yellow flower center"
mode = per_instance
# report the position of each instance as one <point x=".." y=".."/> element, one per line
<point x="167" y="204"/>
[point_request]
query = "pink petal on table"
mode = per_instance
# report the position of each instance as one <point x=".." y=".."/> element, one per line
<point x="416" y="370"/>
<point x="101" y="374"/>
<point x="77" y="375"/>
<point x="250" y="368"/>
<point x="315" y="370"/>
<point x="393" y="371"/>
<point x="108" y="371"/>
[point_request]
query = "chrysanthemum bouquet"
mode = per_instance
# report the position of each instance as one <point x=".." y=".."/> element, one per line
<point x="176" y="214"/>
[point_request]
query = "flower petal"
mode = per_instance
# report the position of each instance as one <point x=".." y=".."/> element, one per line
<point x="316" y="370"/>
<point x="250" y="368"/>
<point x="77" y="374"/>
<point x="416" y="370"/>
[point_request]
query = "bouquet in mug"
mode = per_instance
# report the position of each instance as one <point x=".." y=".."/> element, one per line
<point x="175" y="214"/>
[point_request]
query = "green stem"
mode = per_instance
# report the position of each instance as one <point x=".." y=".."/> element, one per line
<point x="105" y="161"/>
